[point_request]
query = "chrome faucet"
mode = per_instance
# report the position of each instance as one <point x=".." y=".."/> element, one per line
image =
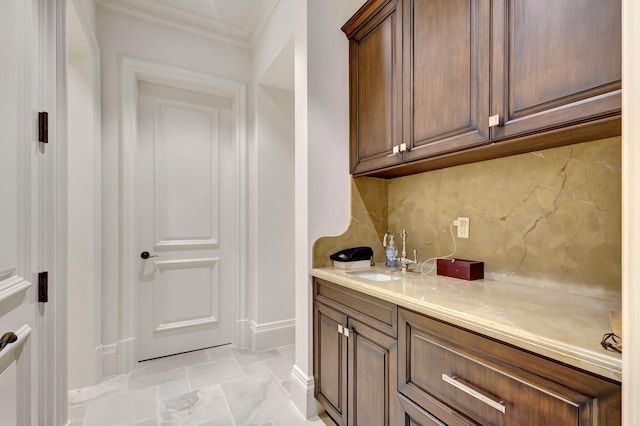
<point x="404" y="260"/>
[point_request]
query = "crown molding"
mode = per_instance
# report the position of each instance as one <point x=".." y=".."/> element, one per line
<point x="178" y="18"/>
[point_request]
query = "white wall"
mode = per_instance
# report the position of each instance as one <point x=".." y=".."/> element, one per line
<point x="274" y="173"/>
<point x="271" y="183"/>
<point x="87" y="11"/>
<point x="119" y="36"/>
<point x="322" y="152"/>
<point x="83" y="196"/>
<point x="80" y="221"/>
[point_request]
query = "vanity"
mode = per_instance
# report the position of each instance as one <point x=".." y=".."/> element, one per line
<point x="413" y="349"/>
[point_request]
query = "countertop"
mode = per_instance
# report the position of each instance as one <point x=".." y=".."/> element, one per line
<point x="561" y="326"/>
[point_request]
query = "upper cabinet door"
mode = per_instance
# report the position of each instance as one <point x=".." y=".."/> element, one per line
<point x="554" y="63"/>
<point x="446" y="69"/>
<point x="375" y="86"/>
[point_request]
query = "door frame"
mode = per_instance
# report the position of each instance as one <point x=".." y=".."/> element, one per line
<point x="133" y="70"/>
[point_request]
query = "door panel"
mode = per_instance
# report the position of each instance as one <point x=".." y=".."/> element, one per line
<point x="198" y="278"/>
<point x="184" y="295"/>
<point x="186" y="174"/>
<point x="19" y="154"/>
<point x="8" y="388"/>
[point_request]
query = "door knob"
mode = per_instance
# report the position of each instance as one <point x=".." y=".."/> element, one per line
<point x="145" y="255"/>
<point x="7" y="338"/>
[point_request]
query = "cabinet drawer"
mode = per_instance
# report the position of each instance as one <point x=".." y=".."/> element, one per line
<point x="485" y="388"/>
<point x="376" y="313"/>
<point x="438" y="415"/>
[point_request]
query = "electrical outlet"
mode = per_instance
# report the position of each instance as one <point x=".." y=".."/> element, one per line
<point x="463" y="227"/>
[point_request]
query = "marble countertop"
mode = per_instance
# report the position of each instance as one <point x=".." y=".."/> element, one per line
<point x="561" y="326"/>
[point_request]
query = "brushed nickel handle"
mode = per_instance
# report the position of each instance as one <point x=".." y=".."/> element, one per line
<point x="453" y="381"/>
<point x="8" y="337"/>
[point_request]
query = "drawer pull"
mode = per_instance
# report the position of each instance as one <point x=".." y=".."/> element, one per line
<point x="453" y="381"/>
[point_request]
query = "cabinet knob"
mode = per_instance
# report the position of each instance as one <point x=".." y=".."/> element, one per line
<point x="396" y="149"/>
<point x="494" y="120"/>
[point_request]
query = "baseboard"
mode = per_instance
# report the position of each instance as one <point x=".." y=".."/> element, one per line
<point x="109" y="360"/>
<point x="118" y="358"/>
<point x="301" y="392"/>
<point x="242" y="338"/>
<point x="272" y="335"/>
<point x="98" y="355"/>
<point x="127" y="358"/>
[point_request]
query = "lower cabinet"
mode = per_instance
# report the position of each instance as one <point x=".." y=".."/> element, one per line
<point x="330" y="361"/>
<point x="461" y="377"/>
<point x="354" y="362"/>
<point x="378" y="364"/>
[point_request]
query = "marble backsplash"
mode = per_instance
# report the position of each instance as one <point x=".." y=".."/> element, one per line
<point x="369" y="214"/>
<point x="549" y="218"/>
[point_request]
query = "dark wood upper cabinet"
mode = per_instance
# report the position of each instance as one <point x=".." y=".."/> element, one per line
<point x="555" y="63"/>
<point x="427" y="75"/>
<point x="446" y="74"/>
<point x="375" y="63"/>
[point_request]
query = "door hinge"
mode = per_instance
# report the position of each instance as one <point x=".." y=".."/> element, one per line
<point x="43" y="287"/>
<point x="43" y="127"/>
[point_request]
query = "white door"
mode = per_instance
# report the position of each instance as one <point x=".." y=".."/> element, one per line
<point x="19" y="151"/>
<point x="184" y="295"/>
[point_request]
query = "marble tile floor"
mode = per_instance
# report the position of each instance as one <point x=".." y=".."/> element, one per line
<point x="221" y="386"/>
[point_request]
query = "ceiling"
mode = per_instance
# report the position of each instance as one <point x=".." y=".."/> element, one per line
<point x="235" y="21"/>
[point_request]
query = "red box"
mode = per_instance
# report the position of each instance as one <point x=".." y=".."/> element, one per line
<point x="460" y="268"/>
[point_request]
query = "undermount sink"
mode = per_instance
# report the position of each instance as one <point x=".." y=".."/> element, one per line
<point x="374" y="276"/>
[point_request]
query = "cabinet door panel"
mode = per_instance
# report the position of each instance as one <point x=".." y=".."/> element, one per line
<point x="446" y="62"/>
<point x="372" y="384"/>
<point x="330" y="362"/>
<point x="375" y="52"/>
<point x="555" y="63"/>
<point x="435" y="366"/>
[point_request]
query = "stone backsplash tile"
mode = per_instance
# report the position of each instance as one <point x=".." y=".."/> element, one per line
<point x="367" y="226"/>
<point x="549" y="218"/>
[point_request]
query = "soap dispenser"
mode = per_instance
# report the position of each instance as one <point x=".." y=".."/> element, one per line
<point x="391" y="254"/>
